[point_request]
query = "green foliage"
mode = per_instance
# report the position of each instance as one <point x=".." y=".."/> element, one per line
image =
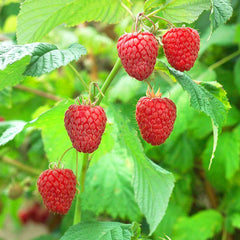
<point x="36" y="19"/>
<point x="180" y="11"/>
<point x="201" y="226"/>
<point x="221" y="12"/>
<point x="99" y="231"/>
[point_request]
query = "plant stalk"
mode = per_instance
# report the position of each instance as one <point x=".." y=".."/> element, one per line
<point x="82" y="178"/>
<point x="108" y="80"/>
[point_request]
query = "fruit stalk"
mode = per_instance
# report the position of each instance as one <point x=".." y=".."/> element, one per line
<point x="82" y="178"/>
<point x="108" y="80"/>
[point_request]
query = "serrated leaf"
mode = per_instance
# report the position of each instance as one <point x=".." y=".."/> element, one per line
<point x="152" y="184"/>
<point x="37" y="18"/>
<point x="54" y="134"/>
<point x="220" y="13"/>
<point x="108" y="187"/>
<point x="99" y="231"/>
<point x="201" y="226"/>
<point x="12" y="128"/>
<point x="13" y="74"/>
<point x="179" y="11"/>
<point x="46" y="58"/>
<point x="203" y="99"/>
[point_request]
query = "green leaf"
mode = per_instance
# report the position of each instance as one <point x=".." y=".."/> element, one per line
<point x="54" y="134"/>
<point x="108" y="186"/>
<point x="13" y="74"/>
<point x="99" y="231"/>
<point x="46" y="58"/>
<point x="179" y="11"/>
<point x="12" y="128"/>
<point x="45" y="237"/>
<point x="203" y="99"/>
<point x="37" y="18"/>
<point x="152" y="184"/>
<point x="201" y="226"/>
<point x="237" y="74"/>
<point x="6" y="97"/>
<point x="220" y="13"/>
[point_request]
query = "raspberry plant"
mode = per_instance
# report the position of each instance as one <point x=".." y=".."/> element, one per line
<point x="147" y="167"/>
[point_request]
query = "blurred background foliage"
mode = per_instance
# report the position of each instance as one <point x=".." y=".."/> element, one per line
<point x="205" y="204"/>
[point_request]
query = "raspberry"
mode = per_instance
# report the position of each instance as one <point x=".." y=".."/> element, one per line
<point x="85" y="125"/>
<point x="181" y="46"/>
<point x="155" y="117"/>
<point x="57" y="188"/>
<point x="138" y="53"/>
<point x="2" y="119"/>
<point x="15" y="191"/>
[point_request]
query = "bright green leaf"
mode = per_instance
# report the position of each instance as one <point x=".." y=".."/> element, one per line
<point x="152" y="184"/>
<point x="54" y="134"/>
<point x="203" y="99"/>
<point x="201" y="226"/>
<point x="12" y="128"/>
<point x="37" y="18"/>
<point x="220" y="13"/>
<point x="13" y="73"/>
<point x="178" y="11"/>
<point x="46" y="58"/>
<point x="99" y="231"/>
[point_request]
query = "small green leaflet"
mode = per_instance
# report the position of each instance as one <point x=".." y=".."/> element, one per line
<point x="34" y="60"/>
<point x="99" y="231"/>
<point x="177" y="11"/>
<point x="12" y="128"/>
<point x="220" y="13"/>
<point x="37" y="18"/>
<point x="209" y="98"/>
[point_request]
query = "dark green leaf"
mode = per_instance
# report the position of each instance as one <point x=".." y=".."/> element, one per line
<point x="221" y="12"/>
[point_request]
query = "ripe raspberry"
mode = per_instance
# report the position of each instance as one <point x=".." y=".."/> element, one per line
<point x="57" y="188"/>
<point x="85" y="125"/>
<point x="138" y="53"/>
<point x="2" y="119"/>
<point x="181" y="46"/>
<point x="155" y="117"/>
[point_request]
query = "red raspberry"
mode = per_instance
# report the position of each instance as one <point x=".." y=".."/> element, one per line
<point x="2" y="119"/>
<point x="138" y="53"/>
<point x="181" y="46"/>
<point x="155" y="117"/>
<point x="57" y="188"/>
<point x="85" y="125"/>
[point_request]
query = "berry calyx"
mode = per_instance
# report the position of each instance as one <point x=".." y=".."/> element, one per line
<point x="155" y="117"/>
<point x="57" y="188"/>
<point x="85" y="125"/>
<point x="181" y="46"/>
<point x="138" y="53"/>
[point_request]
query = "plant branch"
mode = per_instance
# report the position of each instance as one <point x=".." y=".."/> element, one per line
<point x="128" y="10"/>
<point x="38" y="92"/>
<point x="224" y="60"/>
<point x="108" y="80"/>
<point x="82" y="177"/>
<point x="79" y="76"/>
<point x="20" y="166"/>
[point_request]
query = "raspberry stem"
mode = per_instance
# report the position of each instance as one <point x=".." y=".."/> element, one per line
<point x="108" y="81"/>
<point x="82" y="177"/>
<point x="165" y="20"/>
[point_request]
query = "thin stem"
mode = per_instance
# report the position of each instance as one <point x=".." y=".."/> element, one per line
<point x="20" y="166"/>
<point x="64" y="154"/>
<point x="154" y="26"/>
<point x="77" y="215"/>
<point x="224" y="60"/>
<point x="38" y="92"/>
<point x="128" y="10"/>
<point x="154" y="12"/>
<point x="108" y="80"/>
<point x="79" y="76"/>
<point x="164" y="19"/>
